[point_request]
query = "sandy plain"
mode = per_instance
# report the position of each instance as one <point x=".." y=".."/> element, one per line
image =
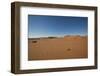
<point x="49" y="48"/>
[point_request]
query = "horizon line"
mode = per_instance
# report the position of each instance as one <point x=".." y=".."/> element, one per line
<point x="58" y="36"/>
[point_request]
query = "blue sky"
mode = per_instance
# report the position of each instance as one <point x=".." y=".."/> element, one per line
<point x="44" y="26"/>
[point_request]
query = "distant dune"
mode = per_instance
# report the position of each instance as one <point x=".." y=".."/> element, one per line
<point x="67" y="47"/>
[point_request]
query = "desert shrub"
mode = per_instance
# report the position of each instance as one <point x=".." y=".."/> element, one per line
<point x="34" y="41"/>
<point x="51" y="37"/>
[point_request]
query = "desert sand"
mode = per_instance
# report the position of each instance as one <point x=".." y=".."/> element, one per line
<point x="48" y="48"/>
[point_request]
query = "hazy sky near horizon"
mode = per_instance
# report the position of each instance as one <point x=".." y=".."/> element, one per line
<point x="44" y="26"/>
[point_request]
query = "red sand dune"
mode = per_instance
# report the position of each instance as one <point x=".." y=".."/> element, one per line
<point x="67" y="47"/>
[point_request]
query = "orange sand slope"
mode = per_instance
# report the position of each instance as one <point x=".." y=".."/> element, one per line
<point x="67" y="47"/>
